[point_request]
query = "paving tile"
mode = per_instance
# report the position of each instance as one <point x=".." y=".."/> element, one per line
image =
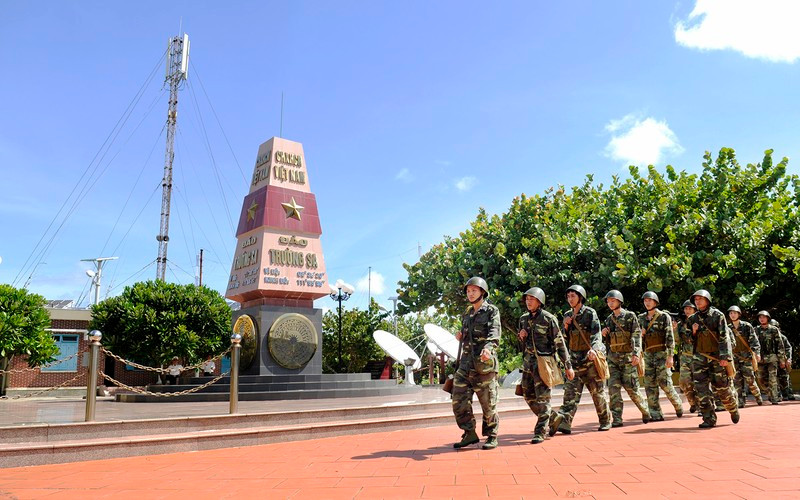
<point x="571" y="490"/>
<point x="480" y="479"/>
<point x="394" y="493"/>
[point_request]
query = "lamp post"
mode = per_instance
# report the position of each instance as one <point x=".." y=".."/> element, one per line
<point x="394" y="312"/>
<point x="341" y="291"/>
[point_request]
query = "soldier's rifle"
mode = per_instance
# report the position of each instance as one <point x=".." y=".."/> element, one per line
<point x="753" y="357"/>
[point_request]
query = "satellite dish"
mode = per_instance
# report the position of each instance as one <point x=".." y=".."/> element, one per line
<point x="396" y="348"/>
<point x="443" y="339"/>
<point x="433" y="348"/>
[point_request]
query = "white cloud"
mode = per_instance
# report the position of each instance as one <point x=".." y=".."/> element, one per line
<point x="377" y="285"/>
<point x="766" y="29"/>
<point x="404" y="175"/>
<point x="636" y="141"/>
<point x="464" y="184"/>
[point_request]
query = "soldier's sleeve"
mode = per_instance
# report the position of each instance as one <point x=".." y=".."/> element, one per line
<point x="755" y="344"/>
<point x="724" y="338"/>
<point x="781" y="348"/>
<point x="493" y="335"/>
<point x="669" y="337"/>
<point x="596" y="338"/>
<point x="788" y="346"/>
<point x="636" y="335"/>
<point x="558" y="341"/>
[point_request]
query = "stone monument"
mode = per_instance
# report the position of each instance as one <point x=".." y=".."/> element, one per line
<point x="278" y="267"/>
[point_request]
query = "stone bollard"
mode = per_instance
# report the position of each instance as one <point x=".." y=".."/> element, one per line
<point x="236" y="341"/>
<point x="91" y="373"/>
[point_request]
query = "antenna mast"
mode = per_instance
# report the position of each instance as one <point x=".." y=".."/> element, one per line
<point x="177" y="71"/>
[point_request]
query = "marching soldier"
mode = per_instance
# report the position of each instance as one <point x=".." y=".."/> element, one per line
<point x="477" y="368"/>
<point x="659" y="346"/>
<point x="747" y="350"/>
<point x="687" y="341"/>
<point x="624" y="342"/>
<point x="540" y="336"/>
<point x="772" y="355"/>
<point x="784" y="379"/>
<point x="712" y="355"/>
<point x="582" y="334"/>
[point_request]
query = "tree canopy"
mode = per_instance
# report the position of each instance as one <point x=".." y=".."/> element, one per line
<point x="23" y="320"/>
<point x="730" y="229"/>
<point x="150" y="322"/>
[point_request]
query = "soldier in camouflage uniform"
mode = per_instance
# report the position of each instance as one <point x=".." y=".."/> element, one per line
<point x="685" y="335"/>
<point x="623" y="341"/>
<point x="477" y="368"/>
<point x="747" y="347"/>
<point x="772" y="355"/>
<point x="582" y="334"/>
<point x="659" y="346"/>
<point x="784" y="374"/>
<point x="539" y="335"/>
<point x="712" y="354"/>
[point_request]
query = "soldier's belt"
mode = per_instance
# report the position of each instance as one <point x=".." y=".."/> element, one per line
<point x="654" y="347"/>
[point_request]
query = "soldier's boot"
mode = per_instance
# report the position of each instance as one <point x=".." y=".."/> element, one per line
<point x="537" y="438"/>
<point x="490" y="444"/>
<point x="735" y="417"/>
<point x="469" y="437"/>
<point x="706" y="425"/>
<point x="742" y="403"/>
<point x="646" y="418"/>
<point x="606" y="426"/>
<point x="556" y="419"/>
<point x="616" y="424"/>
<point x="679" y="412"/>
<point x="693" y="409"/>
<point x="791" y="397"/>
<point x="759" y="401"/>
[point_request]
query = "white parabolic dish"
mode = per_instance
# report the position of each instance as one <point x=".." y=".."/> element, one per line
<point x="443" y="339"/>
<point x="396" y="348"/>
<point x="433" y="348"/>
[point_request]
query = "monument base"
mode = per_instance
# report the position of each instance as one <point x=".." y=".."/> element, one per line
<point x="291" y="351"/>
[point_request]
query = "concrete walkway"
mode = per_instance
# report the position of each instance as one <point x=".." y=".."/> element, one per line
<point x="757" y="458"/>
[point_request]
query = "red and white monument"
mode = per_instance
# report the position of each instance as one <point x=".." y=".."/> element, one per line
<point x="278" y="267"/>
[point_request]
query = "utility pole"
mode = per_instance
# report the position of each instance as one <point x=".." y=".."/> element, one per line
<point x="201" y="267"/>
<point x="177" y="70"/>
<point x="96" y="274"/>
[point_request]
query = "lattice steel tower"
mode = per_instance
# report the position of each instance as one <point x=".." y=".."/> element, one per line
<point x="177" y="69"/>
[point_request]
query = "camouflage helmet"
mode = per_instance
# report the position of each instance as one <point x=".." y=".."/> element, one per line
<point x="536" y="293"/>
<point x="701" y="293"/>
<point x="689" y="303"/>
<point x="614" y="294"/>
<point x="479" y="282"/>
<point x="651" y="295"/>
<point x="579" y="290"/>
<point x="774" y="322"/>
<point x="735" y="309"/>
<point x="764" y="313"/>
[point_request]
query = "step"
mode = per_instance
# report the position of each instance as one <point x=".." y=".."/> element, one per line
<point x="271" y="395"/>
<point x="324" y="377"/>
<point x="61" y="443"/>
<point x="279" y="386"/>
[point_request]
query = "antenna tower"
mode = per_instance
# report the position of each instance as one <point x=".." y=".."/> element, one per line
<point x="177" y="71"/>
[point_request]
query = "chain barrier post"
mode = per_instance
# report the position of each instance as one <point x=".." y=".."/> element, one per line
<point x="236" y="341"/>
<point x="91" y="374"/>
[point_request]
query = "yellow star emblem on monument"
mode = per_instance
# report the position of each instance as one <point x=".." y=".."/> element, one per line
<point x="292" y="209"/>
<point x="251" y="212"/>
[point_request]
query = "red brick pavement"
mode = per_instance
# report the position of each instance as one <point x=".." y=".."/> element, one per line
<point x="758" y="458"/>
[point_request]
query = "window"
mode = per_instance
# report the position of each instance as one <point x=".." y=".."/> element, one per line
<point x="67" y="346"/>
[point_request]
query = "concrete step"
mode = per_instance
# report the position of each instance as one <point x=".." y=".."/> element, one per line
<point x="59" y="443"/>
<point x="273" y="395"/>
<point x="269" y="379"/>
<point x="279" y="386"/>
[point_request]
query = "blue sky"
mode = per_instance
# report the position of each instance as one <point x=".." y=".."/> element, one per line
<point x="412" y="115"/>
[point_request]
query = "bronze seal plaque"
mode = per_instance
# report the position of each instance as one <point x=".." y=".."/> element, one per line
<point x="292" y="340"/>
<point x="245" y="327"/>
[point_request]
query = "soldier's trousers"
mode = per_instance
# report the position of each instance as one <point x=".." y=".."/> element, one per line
<point x="465" y="383"/>
<point x="685" y="380"/>
<point x="708" y="377"/>
<point x="585" y="375"/>
<point x="623" y="374"/>
<point x="768" y="376"/>
<point x="784" y="383"/>
<point x="656" y="374"/>
<point x="745" y="378"/>
<point x="537" y="395"/>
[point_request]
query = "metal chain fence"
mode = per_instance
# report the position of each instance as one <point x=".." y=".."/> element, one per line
<point x="47" y="389"/>
<point x="160" y="370"/>
<point x="41" y="367"/>
<point x="163" y="394"/>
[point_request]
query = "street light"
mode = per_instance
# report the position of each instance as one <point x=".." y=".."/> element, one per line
<point x="340" y="291"/>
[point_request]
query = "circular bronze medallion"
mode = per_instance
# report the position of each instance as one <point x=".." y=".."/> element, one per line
<point x="246" y="327"/>
<point x="292" y="340"/>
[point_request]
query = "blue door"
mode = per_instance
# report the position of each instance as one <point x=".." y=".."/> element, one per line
<point x="225" y="364"/>
<point x="67" y="346"/>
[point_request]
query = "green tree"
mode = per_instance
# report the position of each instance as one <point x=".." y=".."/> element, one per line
<point x="23" y="320"/>
<point x="358" y="346"/>
<point x="150" y="322"/>
<point x="731" y="229"/>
